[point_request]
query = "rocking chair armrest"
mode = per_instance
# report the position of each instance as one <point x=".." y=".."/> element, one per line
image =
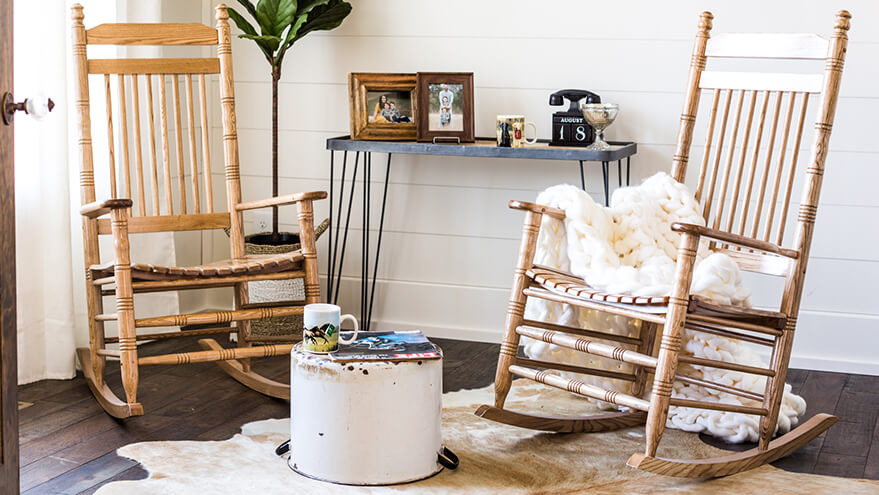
<point x="536" y="208"/>
<point x="736" y="239"/>
<point x="99" y="208"/>
<point x="287" y="199"/>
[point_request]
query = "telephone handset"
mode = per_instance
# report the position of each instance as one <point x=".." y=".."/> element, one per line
<point x="569" y="128"/>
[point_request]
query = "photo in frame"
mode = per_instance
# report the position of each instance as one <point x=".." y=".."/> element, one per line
<point x="446" y="103"/>
<point x="383" y="106"/>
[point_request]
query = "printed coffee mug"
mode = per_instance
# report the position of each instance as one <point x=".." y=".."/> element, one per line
<point x="321" y="326"/>
<point x="511" y="131"/>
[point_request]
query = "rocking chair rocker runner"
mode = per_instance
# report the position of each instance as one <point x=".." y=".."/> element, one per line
<point x="753" y="241"/>
<point x="121" y="278"/>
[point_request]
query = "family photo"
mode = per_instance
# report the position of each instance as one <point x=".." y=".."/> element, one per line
<point x="446" y="107"/>
<point x="389" y="107"/>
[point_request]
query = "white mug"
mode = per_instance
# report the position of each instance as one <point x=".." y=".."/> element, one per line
<point x="511" y="131"/>
<point x="321" y="327"/>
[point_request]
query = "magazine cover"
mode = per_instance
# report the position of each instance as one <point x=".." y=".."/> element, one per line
<point x="387" y="346"/>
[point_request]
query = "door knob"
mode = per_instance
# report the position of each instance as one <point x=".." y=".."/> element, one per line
<point x="37" y="107"/>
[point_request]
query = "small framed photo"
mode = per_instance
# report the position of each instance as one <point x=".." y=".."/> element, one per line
<point x="446" y="100"/>
<point x="383" y="106"/>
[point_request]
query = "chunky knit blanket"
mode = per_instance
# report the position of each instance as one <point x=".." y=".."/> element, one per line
<point x="629" y="248"/>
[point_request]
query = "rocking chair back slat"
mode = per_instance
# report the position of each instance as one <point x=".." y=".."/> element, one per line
<point x="193" y="160"/>
<point x="123" y="116"/>
<point x="151" y="34"/>
<point x="181" y="174"/>
<point x="205" y="146"/>
<point x="768" y="45"/>
<point x="138" y="149"/>
<point x="152" y="144"/>
<point x="154" y="66"/>
<point x="715" y="100"/>
<point x="170" y="223"/>
<point x="761" y="81"/>
<point x="112" y="160"/>
<point x="166" y="148"/>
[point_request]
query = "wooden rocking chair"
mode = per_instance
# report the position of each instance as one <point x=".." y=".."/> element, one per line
<point x="121" y="278"/>
<point x="754" y="242"/>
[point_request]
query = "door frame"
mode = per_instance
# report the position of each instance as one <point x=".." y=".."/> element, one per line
<point x="9" y="478"/>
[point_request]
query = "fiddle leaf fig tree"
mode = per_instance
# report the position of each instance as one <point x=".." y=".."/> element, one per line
<point x="281" y="24"/>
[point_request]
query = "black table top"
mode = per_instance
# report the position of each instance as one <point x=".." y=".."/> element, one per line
<point x="486" y="148"/>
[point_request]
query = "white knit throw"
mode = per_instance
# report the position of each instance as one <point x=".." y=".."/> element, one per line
<point x="629" y="248"/>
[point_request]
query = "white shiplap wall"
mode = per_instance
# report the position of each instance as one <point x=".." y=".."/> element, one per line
<point x="450" y="242"/>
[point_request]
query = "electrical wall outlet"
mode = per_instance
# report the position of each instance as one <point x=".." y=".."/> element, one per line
<point x="262" y="220"/>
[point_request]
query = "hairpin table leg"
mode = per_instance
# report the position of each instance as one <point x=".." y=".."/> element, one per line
<point x="628" y="169"/>
<point x="378" y="247"/>
<point x="347" y="223"/>
<point x="334" y="248"/>
<point x="605" y="173"/>
<point x="620" y="173"/>
<point x="330" y="231"/>
<point x="364" y="263"/>
<point x="582" y="177"/>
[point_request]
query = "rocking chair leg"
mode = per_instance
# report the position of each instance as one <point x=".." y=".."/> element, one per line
<point x="516" y="309"/>
<point x="125" y="306"/>
<point x="774" y="392"/>
<point x="670" y="344"/>
<point x="242" y="297"/>
<point x="95" y="305"/>
<point x="648" y="336"/>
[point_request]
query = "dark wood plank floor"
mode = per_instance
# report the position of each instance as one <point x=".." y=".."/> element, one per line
<point x="68" y="443"/>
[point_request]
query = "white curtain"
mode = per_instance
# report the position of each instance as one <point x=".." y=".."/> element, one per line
<point x="52" y="317"/>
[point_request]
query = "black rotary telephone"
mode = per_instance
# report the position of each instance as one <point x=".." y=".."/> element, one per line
<point x="568" y="127"/>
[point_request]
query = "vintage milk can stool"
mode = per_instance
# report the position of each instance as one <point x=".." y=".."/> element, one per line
<point x="366" y="422"/>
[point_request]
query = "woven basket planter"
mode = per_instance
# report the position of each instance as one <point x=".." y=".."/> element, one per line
<point x="273" y="291"/>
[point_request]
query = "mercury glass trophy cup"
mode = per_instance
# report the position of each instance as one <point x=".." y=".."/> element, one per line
<point x="599" y="116"/>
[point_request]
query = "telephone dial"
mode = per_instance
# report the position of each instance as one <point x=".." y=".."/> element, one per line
<point x="569" y="128"/>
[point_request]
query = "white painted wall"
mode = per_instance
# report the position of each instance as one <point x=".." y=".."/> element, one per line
<point x="450" y="242"/>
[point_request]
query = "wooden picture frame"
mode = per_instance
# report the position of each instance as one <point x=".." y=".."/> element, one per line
<point x="367" y="122"/>
<point x="458" y="118"/>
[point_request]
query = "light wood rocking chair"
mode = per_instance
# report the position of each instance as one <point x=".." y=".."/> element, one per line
<point x="121" y="278"/>
<point x="753" y="241"/>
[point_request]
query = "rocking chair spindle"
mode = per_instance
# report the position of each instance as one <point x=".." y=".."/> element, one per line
<point x="731" y="172"/>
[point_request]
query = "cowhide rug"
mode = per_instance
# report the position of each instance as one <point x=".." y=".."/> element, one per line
<point x="494" y="459"/>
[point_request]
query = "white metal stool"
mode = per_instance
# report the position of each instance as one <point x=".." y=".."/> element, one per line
<point x="366" y="422"/>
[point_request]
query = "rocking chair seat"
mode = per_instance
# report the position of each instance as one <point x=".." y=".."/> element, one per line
<point x="254" y="264"/>
<point x="570" y="285"/>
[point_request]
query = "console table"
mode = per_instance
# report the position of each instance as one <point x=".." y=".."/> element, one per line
<point x="482" y="148"/>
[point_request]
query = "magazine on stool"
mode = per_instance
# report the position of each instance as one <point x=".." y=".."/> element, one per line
<point x="387" y="346"/>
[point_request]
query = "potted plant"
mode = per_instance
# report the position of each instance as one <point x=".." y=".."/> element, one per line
<point x="281" y="24"/>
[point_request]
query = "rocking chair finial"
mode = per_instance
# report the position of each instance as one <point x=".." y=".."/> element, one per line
<point x="705" y="23"/>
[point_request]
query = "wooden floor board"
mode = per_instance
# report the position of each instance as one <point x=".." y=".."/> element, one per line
<point x="84" y="477"/>
<point x="135" y="472"/>
<point x="871" y="468"/>
<point x="821" y="391"/>
<point x="69" y="443"/>
<point x="847" y="466"/>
